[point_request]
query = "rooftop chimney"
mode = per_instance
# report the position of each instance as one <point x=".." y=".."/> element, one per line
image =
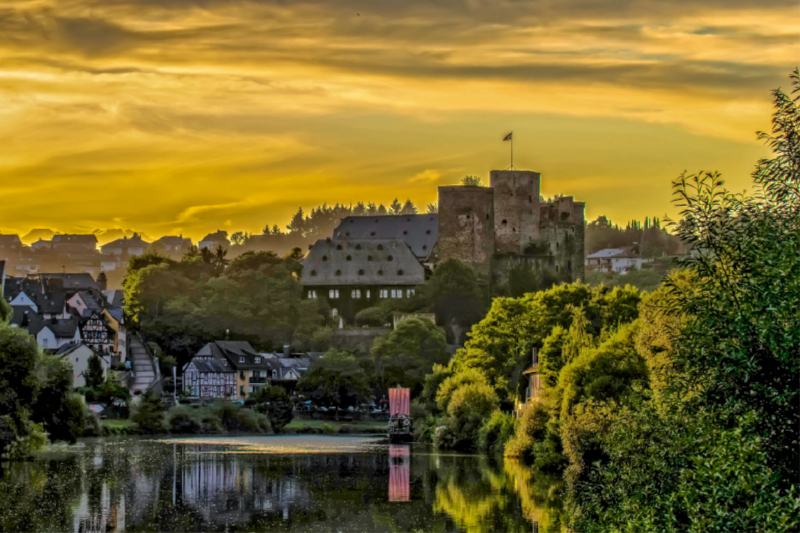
<point x="286" y="351"/>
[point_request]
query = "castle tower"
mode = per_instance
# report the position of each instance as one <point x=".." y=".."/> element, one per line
<point x="466" y="225"/>
<point x="516" y="209"/>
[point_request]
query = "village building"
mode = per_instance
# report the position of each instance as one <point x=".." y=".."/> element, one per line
<point x="126" y="247"/>
<point x="251" y="370"/>
<point x="78" y="355"/>
<point x="10" y="247"/>
<point x="172" y="246"/>
<point x="208" y="378"/>
<point x="353" y="274"/>
<point x="59" y="309"/>
<point x="42" y="244"/>
<point x="620" y="260"/>
<point x="214" y="240"/>
<point x="72" y="244"/>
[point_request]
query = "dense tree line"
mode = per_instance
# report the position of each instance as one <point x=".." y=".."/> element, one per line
<point x="648" y="238"/>
<point x="181" y="305"/>
<point x="674" y="411"/>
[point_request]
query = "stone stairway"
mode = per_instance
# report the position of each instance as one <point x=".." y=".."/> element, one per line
<point x="143" y="365"/>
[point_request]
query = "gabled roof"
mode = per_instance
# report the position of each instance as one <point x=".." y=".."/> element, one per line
<point x="8" y="238"/>
<point x="210" y="365"/>
<point x="73" y="282"/>
<point x="76" y="239"/>
<point x="361" y="262"/>
<point x="217" y="236"/>
<point x="173" y="240"/>
<point x="70" y="347"/>
<point x="115" y="298"/>
<point x="134" y="242"/>
<point x="612" y="253"/>
<point x="420" y="232"/>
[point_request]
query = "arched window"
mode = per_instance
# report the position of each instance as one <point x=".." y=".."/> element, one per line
<point x="389" y="258"/>
<point x="380" y="246"/>
<point x="338" y="272"/>
<point x="380" y="272"/>
<point x="361" y="272"/>
<point x="349" y="258"/>
<point x="324" y="257"/>
<point x="399" y="272"/>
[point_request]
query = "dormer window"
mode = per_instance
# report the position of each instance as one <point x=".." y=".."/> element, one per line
<point x="258" y="360"/>
<point x="358" y="246"/>
<point x="389" y="258"/>
<point x="338" y="246"/>
<point x="324" y="257"/>
<point x="380" y="247"/>
<point x="349" y="258"/>
<point x="241" y="359"/>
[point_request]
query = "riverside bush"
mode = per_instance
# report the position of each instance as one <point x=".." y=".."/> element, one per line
<point x="493" y="435"/>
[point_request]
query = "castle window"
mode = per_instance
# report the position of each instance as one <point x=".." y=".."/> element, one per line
<point x="338" y="272"/>
<point x="372" y="234"/>
<point x="504" y="222"/>
<point x="358" y="246"/>
<point x="556" y="268"/>
<point x="333" y="293"/>
<point x="405" y="233"/>
<point x="487" y="216"/>
<point x="428" y="232"/>
<point x="399" y="272"/>
<point x="569" y="266"/>
<point x="530" y="199"/>
<point x="313" y="272"/>
<point x="338" y="246"/>
<point x="324" y="257"/>
<point x="389" y="258"/>
<point x="360" y="272"/>
<point x="467" y="217"/>
<point x="369" y="258"/>
<point x="347" y="234"/>
<point x="349" y="258"/>
<point x="380" y="247"/>
<point x="380" y="272"/>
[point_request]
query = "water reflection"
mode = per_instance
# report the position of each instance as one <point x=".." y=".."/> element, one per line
<point x="215" y="485"/>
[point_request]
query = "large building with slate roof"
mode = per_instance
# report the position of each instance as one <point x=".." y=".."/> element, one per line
<point x="353" y="274"/>
<point x="499" y="229"/>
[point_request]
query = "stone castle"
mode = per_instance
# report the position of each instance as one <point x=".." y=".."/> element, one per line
<point x="497" y="229"/>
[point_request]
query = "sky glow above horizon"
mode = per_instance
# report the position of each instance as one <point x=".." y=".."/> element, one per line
<point x="185" y="116"/>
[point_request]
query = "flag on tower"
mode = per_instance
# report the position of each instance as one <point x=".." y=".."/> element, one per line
<point x="507" y="137"/>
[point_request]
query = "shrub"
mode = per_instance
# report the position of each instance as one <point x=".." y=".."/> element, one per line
<point x="470" y="404"/>
<point x="148" y="415"/>
<point x="275" y="403"/>
<point x="185" y="420"/>
<point x="495" y="432"/>
<point x="531" y="429"/>
<point x="371" y="316"/>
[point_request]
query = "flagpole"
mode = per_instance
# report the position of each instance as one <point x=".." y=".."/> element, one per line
<point x="512" y="152"/>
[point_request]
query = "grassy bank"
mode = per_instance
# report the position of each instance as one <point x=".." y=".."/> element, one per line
<point x="331" y="427"/>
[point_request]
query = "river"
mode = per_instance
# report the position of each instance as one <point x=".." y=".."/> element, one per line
<point x="282" y="483"/>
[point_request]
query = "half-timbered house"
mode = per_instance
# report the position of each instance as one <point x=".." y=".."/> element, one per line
<point x="207" y="378"/>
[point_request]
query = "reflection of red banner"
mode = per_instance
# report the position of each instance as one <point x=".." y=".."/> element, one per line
<point x="399" y="473"/>
<point x="399" y="401"/>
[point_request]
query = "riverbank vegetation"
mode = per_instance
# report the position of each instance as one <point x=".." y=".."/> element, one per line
<point x="37" y="403"/>
<point x="676" y="410"/>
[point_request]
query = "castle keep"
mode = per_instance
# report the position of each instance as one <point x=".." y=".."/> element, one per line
<point x="498" y="229"/>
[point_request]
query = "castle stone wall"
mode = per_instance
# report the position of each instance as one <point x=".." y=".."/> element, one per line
<point x="516" y="209"/>
<point x="466" y="225"/>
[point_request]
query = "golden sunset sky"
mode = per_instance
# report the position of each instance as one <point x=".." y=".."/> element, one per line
<point x="184" y="116"/>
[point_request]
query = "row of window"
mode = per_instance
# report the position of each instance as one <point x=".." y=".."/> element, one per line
<point x="360" y="272"/>
<point x="355" y="294"/>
